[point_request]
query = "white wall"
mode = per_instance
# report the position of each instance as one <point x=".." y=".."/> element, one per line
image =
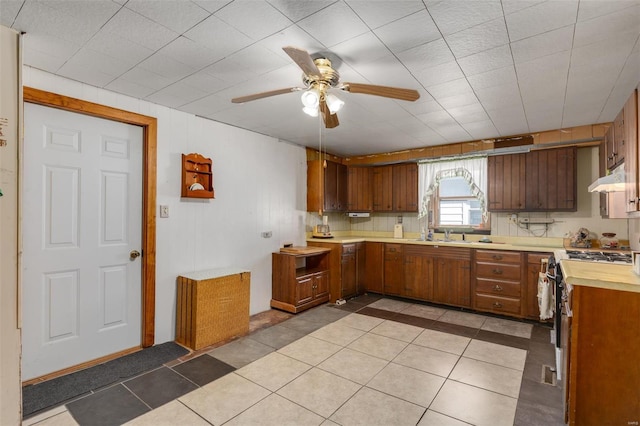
<point x="259" y="183"/>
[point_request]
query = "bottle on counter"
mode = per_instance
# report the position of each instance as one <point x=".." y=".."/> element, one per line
<point x="430" y="236"/>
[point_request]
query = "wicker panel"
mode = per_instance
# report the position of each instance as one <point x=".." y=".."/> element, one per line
<point x="212" y="310"/>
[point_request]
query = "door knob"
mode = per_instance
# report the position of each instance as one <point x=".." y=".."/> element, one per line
<point x="134" y="254"/>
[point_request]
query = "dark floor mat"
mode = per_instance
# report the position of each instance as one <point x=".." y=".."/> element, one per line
<point x="54" y="392"/>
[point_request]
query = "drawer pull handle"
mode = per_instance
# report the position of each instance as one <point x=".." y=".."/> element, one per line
<point x="497" y="305"/>
<point x="497" y="257"/>
<point x="497" y="271"/>
<point x="497" y="288"/>
<point x="392" y="250"/>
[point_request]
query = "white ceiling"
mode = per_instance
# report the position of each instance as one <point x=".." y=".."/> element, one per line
<point x="484" y="68"/>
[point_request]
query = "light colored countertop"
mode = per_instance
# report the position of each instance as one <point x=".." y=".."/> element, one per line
<point x="596" y="274"/>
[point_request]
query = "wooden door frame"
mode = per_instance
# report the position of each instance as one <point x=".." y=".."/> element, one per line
<point x="149" y="170"/>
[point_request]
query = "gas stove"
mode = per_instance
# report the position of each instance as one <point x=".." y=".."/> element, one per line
<point x="599" y="256"/>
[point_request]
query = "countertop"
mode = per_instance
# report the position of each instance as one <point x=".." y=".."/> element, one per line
<point x="596" y="274"/>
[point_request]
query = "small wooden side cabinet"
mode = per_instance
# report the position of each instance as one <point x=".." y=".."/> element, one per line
<point x="300" y="278"/>
<point x="197" y="176"/>
<point x="213" y="306"/>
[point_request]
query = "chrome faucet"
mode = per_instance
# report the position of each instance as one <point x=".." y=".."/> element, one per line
<point x="447" y="234"/>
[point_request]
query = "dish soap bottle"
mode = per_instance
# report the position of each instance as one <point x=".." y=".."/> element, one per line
<point x="430" y="236"/>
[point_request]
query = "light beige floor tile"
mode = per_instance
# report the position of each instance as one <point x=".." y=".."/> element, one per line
<point x="398" y="331"/>
<point x="431" y="418"/>
<point x="353" y="365"/>
<point x="319" y="391"/>
<point x="275" y="410"/>
<point x="390" y="305"/>
<point x="371" y="408"/>
<point x="224" y="398"/>
<point x="463" y="318"/>
<point x="496" y="378"/>
<point x="172" y="413"/>
<point x="329" y="423"/>
<point x="493" y="353"/>
<point x="378" y="346"/>
<point x="337" y="334"/>
<point x="424" y="311"/>
<point x="407" y="383"/>
<point x="241" y="352"/>
<point x="310" y="350"/>
<point x="51" y="418"/>
<point x="473" y="405"/>
<point x="426" y="359"/>
<point x="512" y="328"/>
<point x="273" y="371"/>
<point x="360" y="322"/>
<point x="442" y="341"/>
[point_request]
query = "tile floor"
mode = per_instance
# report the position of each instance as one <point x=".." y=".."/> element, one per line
<point x="372" y="361"/>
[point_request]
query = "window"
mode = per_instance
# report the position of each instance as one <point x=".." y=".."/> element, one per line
<point x="456" y="205"/>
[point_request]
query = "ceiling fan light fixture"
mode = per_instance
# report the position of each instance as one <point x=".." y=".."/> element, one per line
<point x="313" y="112"/>
<point x="334" y="103"/>
<point x="310" y="98"/>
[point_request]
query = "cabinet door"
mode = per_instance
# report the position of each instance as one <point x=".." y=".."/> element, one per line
<point x="631" y="155"/>
<point x="374" y="273"/>
<point x="452" y="279"/>
<point x="348" y="271"/>
<point x="361" y="265"/>
<point x="530" y="298"/>
<point x="341" y="187"/>
<point x="506" y="183"/>
<point x="551" y="180"/>
<point x="382" y="189"/>
<point x="320" y="285"/>
<point x="331" y="187"/>
<point x="618" y="141"/>
<point x="359" y="197"/>
<point x="418" y="278"/>
<point x="405" y="187"/>
<point x="304" y="289"/>
<point x="393" y="269"/>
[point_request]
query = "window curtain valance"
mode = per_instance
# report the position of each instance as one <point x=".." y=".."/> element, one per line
<point x="472" y="169"/>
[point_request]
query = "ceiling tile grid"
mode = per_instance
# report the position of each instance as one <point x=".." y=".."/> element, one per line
<point x="483" y="68"/>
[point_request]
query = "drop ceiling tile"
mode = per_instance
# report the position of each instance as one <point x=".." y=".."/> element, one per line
<point x="255" y="19"/>
<point x="345" y="24"/>
<point x="118" y="47"/>
<point x="594" y="8"/>
<point x="422" y="107"/>
<point x="544" y="114"/>
<point x="541" y="18"/>
<point x="51" y="46"/>
<point x="482" y="62"/>
<point x="453" y="133"/>
<point x="143" y="31"/>
<point x="625" y="84"/>
<point x="394" y="74"/>
<point x="454" y="16"/>
<point x="457" y="101"/>
<point x="408" y="32"/>
<point x="509" y="121"/>
<point x="8" y="11"/>
<point x="167" y="67"/>
<point x="176" y="95"/>
<point x="512" y="6"/>
<point x="291" y="36"/>
<point x="204" y="82"/>
<point x="42" y="60"/>
<point x="209" y="105"/>
<point x="107" y="67"/>
<point x="471" y="113"/>
<point x="615" y="50"/>
<point x="218" y="36"/>
<point x="451" y="88"/>
<point x="539" y="69"/>
<point x="439" y="74"/>
<point x="83" y="74"/>
<point x="543" y="44"/>
<point x="363" y="49"/>
<point x="436" y="118"/>
<point x="621" y="24"/>
<point x="378" y="13"/>
<point x="481" y="129"/>
<point x="426" y="55"/>
<point x="129" y="88"/>
<point x="478" y="39"/>
<point x="506" y="75"/>
<point x="189" y="52"/>
<point x="212" y="6"/>
<point x="499" y="97"/>
<point x="296" y="10"/>
<point x="178" y="16"/>
<point x="145" y="78"/>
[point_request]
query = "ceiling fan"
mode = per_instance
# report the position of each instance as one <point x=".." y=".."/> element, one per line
<point x="318" y="77"/>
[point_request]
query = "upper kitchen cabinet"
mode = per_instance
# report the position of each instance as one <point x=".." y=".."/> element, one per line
<point x="360" y="190"/>
<point x="405" y="187"/>
<point x="326" y="186"/>
<point x="551" y="180"/>
<point x="383" y="189"/>
<point x="506" y="183"/>
<point x="632" y="175"/>
<point x="543" y="180"/>
<point x="616" y="143"/>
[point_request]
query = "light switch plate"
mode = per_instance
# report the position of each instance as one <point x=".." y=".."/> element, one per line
<point x="164" y="211"/>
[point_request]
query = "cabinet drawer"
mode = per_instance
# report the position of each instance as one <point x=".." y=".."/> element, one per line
<point x="498" y="256"/>
<point x="498" y="288"/>
<point x="498" y="271"/>
<point x="348" y="248"/>
<point x="393" y="248"/>
<point x="497" y="304"/>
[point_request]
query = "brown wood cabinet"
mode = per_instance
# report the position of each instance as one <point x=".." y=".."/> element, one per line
<point x="393" y="269"/>
<point x="630" y="114"/>
<point x="374" y="269"/>
<point x="452" y="276"/>
<point x="543" y="180"/>
<point x="498" y="282"/>
<point x="419" y="262"/>
<point x="383" y="189"/>
<point x="300" y="279"/>
<point x="405" y="187"/>
<point x="530" y="307"/>
<point x="604" y="357"/>
<point x="326" y="186"/>
<point x="360" y="189"/>
<point x="506" y="183"/>
<point x="347" y="273"/>
<point x="615" y="144"/>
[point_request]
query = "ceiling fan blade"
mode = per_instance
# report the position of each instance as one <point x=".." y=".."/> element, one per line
<point x="255" y="96"/>
<point x="302" y="58"/>
<point x="386" y="91"/>
<point x="330" y="120"/>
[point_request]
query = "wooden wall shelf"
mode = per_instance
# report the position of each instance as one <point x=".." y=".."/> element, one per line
<point x="197" y="176"/>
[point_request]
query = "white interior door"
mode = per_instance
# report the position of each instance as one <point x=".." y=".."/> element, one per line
<point x="81" y="219"/>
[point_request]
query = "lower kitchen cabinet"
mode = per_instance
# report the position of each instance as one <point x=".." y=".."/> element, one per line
<point x="418" y="272"/>
<point x="347" y="272"/>
<point x="374" y="267"/>
<point x="452" y="277"/>
<point x="300" y="278"/>
<point x="393" y="269"/>
<point x="498" y="283"/>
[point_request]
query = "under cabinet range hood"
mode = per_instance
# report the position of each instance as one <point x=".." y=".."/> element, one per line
<point x="613" y="182"/>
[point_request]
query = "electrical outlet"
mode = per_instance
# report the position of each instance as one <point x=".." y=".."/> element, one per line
<point x="267" y="234"/>
<point x="164" y="211"/>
